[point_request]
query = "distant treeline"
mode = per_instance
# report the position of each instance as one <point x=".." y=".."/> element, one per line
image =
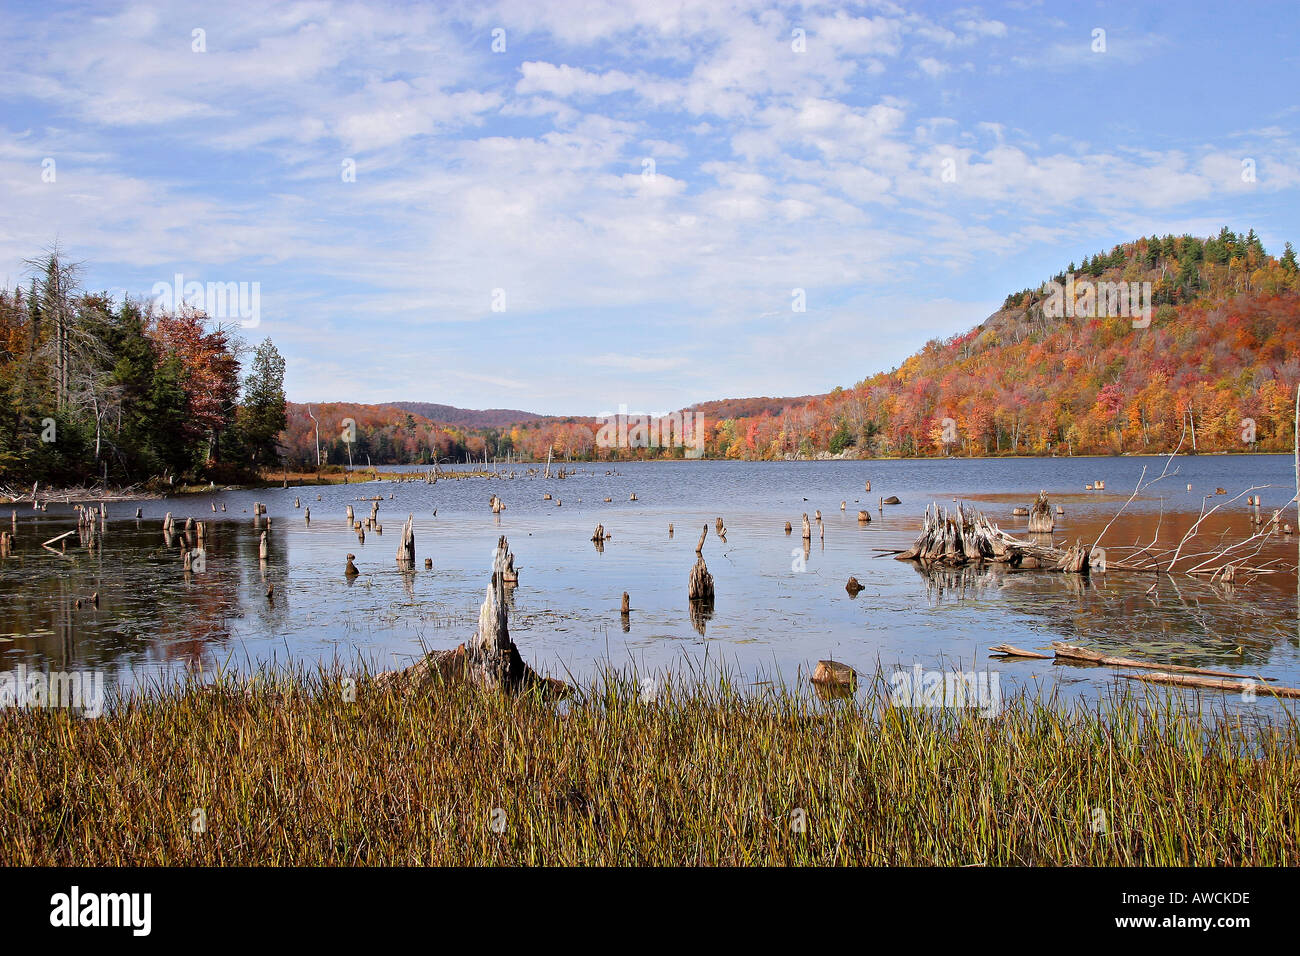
<point x="1216" y="369"/>
<point x="92" y="389"/>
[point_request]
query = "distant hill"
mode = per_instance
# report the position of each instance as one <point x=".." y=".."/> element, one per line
<point x="1214" y="364"/>
<point x="749" y="407"/>
<point x="468" y="417"/>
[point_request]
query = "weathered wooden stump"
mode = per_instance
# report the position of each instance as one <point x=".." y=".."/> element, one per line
<point x="1040" y="516"/>
<point x="700" y="584"/>
<point x="406" y="546"/>
<point x="492" y="660"/>
<point x="835" y="674"/>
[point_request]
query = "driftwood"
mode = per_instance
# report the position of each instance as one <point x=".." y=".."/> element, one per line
<point x="1211" y="683"/>
<point x="1006" y="650"/>
<point x="968" y="537"/>
<point x="1075" y="560"/>
<point x="599" y="534"/>
<point x="1070" y="652"/>
<point x="699" y="548"/>
<point x="807" y="529"/>
<point x="958" y="538"/>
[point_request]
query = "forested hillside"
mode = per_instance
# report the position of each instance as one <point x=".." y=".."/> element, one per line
<point x="1215" y="360"/>
<point x="1222" y="346"/>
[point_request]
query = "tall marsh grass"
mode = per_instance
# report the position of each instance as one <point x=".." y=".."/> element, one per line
<point x="285" y="770"/>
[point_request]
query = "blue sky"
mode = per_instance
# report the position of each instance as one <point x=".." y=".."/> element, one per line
<point x="777" y="165"/>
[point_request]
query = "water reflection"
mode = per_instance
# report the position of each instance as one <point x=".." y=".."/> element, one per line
<point x="324" y="590"/>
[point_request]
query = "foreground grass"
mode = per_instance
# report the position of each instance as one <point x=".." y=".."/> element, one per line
<point x="289" y="772"/>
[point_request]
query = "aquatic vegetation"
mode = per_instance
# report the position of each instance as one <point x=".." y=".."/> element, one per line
<point x="328" y="767"/>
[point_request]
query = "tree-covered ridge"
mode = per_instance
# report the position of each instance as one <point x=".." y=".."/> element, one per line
<point x="97" y="390"/>
<point x="1223" y="347"/>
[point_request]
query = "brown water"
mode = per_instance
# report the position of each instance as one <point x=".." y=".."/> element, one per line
<point x="777" y="611"/>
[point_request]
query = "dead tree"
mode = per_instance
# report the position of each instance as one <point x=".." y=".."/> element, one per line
<point x="1040" y="516"/>
<point x="492" y="660"/>
<point x="700" y="585"/>
<point x="406" y="546"/>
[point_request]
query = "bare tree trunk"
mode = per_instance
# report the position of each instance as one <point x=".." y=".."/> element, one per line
<point x="492" y="660"/>
<point x="406" y="547"/>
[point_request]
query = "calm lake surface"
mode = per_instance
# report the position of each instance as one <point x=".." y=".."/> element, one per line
<point x="776" y="612"/>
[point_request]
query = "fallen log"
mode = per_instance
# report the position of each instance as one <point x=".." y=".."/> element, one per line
<point x="46" y="544"/>
<point x="1006" y="650"/>
<point x="1210" y="683"/>
<point x="1071" y="652"/>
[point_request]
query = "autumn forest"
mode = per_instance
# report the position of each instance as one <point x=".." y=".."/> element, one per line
<point x="1217" y="365"/>
<point x="92" y="389"/>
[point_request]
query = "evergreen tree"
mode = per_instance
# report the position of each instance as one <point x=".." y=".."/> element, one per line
<point x="262" y="416"/>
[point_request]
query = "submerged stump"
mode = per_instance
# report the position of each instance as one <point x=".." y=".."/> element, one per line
<point x="1040" y="516"/>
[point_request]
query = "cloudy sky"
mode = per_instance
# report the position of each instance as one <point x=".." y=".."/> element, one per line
<point x="567" y="205"/>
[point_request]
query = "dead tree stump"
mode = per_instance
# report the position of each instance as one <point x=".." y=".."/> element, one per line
<point x="1040" y="516"/>
<point x="406" y="547"/>
<point x="700" y="585"/>
<point x="491" y="659"/>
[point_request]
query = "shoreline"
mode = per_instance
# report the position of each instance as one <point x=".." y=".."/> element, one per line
<point x="73" y="495"/>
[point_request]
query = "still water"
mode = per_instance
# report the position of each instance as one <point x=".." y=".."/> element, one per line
<point x="777" y="612"/>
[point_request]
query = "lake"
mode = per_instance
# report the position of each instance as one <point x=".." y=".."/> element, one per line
<point x="776" y="614"/>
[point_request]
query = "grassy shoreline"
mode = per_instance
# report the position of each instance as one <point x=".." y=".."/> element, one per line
<point x="285" y="770"/>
